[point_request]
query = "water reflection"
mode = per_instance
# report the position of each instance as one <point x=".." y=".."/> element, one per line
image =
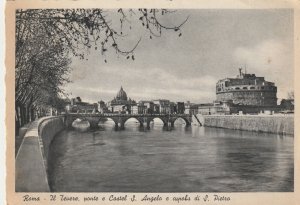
<point x="179" y="159"/>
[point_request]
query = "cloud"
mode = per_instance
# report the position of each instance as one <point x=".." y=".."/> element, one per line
<point x="272" y="59"/>
<point x="144" y="84"/>
<point x="213" y="45"/>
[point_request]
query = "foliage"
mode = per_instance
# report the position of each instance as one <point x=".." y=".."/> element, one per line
<point x="47" y="38"/>
<point x="81" y="29"/>
<point x="290" y="95"/>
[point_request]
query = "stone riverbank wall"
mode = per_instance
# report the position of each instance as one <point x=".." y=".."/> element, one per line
<point x="31" y="159"/>
<point x="279" y="124"/>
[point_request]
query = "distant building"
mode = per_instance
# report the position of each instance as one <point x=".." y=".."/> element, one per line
<point x="121" y="103"/>
<point x="214" y="108"/>
<point x="163" y="106"/>
<point x="102" y="108"/>
<point x="247" y="94"/>
<point x="247" y="89"/>
<point x="173" y="108"/>
<point x="180" y="107"/>
<point x="142" y="109"/>
<point x="191" y="108"/>
<point x="81" y="107"/>
<point x="146" y="107"/>
<point x="134" y="109"/>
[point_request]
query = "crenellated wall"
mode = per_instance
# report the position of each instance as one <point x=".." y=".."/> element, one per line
<point x="31" y="160"/>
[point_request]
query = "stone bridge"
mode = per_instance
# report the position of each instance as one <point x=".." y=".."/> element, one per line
<point x="120" y="119"/>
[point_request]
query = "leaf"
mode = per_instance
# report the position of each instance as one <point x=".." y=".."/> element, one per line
<point x="179" y="34"/>
<point x="105" y="61"/>
<point x="132" y="57"/>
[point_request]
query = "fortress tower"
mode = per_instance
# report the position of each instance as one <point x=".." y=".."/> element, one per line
<point x="247" y="89"/>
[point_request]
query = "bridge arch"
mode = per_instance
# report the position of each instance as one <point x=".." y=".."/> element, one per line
<point x="75" y="122"/>
<point x="108" y="119"/>
<point x="139" y="119"/>
<point x="187" y="121"/>
<point x="162" y="119"/>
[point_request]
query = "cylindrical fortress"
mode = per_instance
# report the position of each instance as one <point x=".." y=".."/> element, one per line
<point x="247" y="89"/>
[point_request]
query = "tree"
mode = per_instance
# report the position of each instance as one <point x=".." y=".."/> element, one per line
<point x="41" y="68"/>
<point x="288" y="104"/>
<point x="47" y="38"/>
<point x="290" y="95"/>
<point x="81" y="29"/>
<point x="78" y="99"/>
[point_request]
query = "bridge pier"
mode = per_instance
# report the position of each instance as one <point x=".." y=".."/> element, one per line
<point x="93" y="124"/>
<point x="148" y="124"/>
<point x="144" y="124"/>
<point x="122" y="125"/>
<point x="119" y="126"/>
<point x="68" y="121"/>
<point x="172" y="123"/>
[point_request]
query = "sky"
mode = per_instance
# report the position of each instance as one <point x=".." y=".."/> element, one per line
<point x="213" y="45"/>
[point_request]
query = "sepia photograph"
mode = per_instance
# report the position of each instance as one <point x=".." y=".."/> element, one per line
<point x="153" y="100"/>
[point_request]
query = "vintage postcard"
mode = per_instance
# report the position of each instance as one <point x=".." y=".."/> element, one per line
<point x="152" y="102"/>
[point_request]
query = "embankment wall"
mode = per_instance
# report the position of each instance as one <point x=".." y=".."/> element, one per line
<point x="31" y="160"/>
<point x="280" y="124"/>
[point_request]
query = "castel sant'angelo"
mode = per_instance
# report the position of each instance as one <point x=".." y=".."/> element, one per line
<point x="247" y="89"/>
<point x="244" y="93"/>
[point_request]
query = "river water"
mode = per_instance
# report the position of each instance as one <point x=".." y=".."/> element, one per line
<point x="192" y="159"/>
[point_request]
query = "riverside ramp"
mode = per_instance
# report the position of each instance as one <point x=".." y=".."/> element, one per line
<point x="31" y="160"/>
<point x="278" y="124"/>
